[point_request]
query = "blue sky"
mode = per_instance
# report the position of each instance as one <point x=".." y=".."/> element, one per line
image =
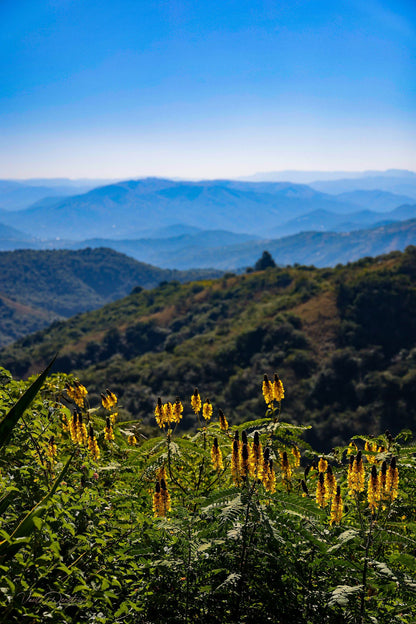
<point x="127" y="88"/>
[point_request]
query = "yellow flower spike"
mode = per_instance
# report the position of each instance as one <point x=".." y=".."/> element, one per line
<point x="132" y="440"/>
<point x="157" y="501"/>
<point x="270" y="484"/>
<point x="165" y="497"/>
<point x="168" y="411"/>
<point x="160" y="413"/>
<point x="383" y="482"/>
<point x="322" y="465"/>
<point x="336" y="508"/>
<point x="52" y="449"/>
<point x="320" y="491"/>
<point x="256" y="457"/>
<point x="108" y="431"/>
<point x="177" y="410"/>
<point x="278" y="390"/>
<point x="267" y="389"/>
<point x="296" y="455"/>
<point x="207" y="410"/>
<point x="77" y="393"/>
<point x="392" y="480"/>
<point x="65" y="424"/>
<point x="216" y="456"/>
<point x="265" y="467"/>
<point x="244" y="466"/>
<point x="330" y="485"/>
<point x="356" y="474"/>
<point x="286" y="468"/>
<point x="93" y="445"/>
<point x="373" y="449"/>
<point x="373" y="490"/>
<point x="223" y="420"/>
<point x="73" y="427"/>
<point x="111" y="398"/>
<point x="105" y="402"/>
<point x="235" y="461"/>
<point x="352" y="448"/>
<point x="82" y="436"/>
<point x="196" y="401"/>
<point x="161" y="474"/>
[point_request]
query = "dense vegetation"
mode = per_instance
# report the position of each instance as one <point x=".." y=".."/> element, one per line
<point x="344" y="339"/>
<point x="37" y="287"/>
<point x="227" y="524"/>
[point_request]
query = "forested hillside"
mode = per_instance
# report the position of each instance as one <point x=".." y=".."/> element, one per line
<point x="37" y="287"/>
<point x="343" y="339"/>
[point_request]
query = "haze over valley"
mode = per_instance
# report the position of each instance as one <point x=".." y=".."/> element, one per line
<point x="219" y="223"/>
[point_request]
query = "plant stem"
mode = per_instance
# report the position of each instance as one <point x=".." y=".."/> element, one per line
<point x="365" y="570"/>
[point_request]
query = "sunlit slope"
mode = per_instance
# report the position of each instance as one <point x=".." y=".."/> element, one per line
<point x="342" y="339"/>
<point x="38" y="286"/>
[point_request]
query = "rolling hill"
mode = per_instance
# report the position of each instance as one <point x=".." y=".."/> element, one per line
<point x="37" y="287"/>
<point x="348" y="363"/>
<point x="207" y="250"/>
<point x="18" y="195"/>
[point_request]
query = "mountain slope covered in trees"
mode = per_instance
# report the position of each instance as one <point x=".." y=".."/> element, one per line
<point x="37" y="287"/>
<point x="343" y="340"/>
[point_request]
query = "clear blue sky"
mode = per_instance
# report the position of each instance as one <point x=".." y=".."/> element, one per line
<point x="197" y="88"/>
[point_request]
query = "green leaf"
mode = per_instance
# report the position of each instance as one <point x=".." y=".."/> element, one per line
<point x="7" y="499"/>
<point x="12" y="417"/>
<point x="29" y="522"/>
<point x="341" y="595"/>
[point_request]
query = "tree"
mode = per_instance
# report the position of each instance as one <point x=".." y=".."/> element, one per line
<point x="264" y="262"/>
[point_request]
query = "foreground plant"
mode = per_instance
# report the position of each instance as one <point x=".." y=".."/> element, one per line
<point x="224" y="524"/>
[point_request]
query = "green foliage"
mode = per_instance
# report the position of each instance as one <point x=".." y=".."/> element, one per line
<point x="329" y="332"/>
<point x="85" y="545"/>
<point x="39" y="287"/>
<point x="265" y="262"/>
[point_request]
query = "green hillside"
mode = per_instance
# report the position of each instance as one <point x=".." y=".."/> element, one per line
<point x="37" y="287"/>
<point x="343" y="340"/>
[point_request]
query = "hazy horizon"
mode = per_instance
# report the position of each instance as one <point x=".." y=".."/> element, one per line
<point x="279" y="175"/>
<point x="183" y="89"/>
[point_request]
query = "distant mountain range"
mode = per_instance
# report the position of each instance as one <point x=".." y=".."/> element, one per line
<point x="216" y="223"/>
<point x="398" y="181"/>
<point x="128" y="208"/>
<point x="19" y="194"/>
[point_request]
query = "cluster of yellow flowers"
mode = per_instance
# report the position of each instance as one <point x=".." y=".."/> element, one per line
<point x="249" y="460"/>
<point x="328" y="492"/>
<point x="223" y="420"/>
<point x="196" y="402"/>
<point x="216" y="456"/>
<point x="168" y="413"/>
<point x="373" y="448"/>
<point x="109" y="401"/>
<point x="161" y="496"/>
<point x="77" y="393"/>
<point x="383" y="486"/>
<point x="52" y="450"/>
<point x="76" y="427"/>
<point x="93" y="444"/>
<point x="356" y="474"/>
<point x="273" y="391"/>
<point x="108" y="430"/>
